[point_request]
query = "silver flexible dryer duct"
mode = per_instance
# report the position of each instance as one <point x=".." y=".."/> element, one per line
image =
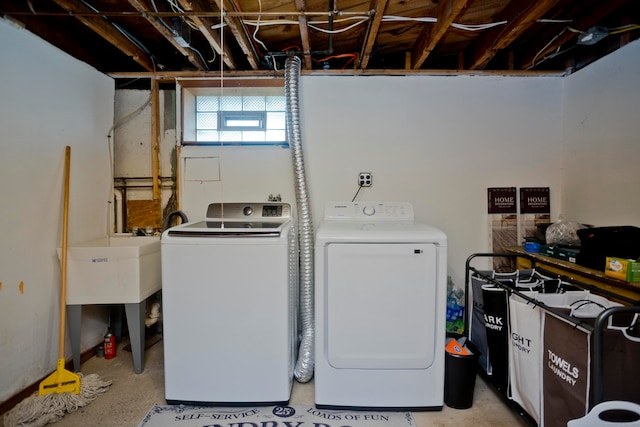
<point x="303" y="370"/>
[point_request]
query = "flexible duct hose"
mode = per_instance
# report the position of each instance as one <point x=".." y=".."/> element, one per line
<point x="303" y="370"/>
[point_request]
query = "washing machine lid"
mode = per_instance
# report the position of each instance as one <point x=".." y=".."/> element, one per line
<point x="238" y="219"/>
<point x="212" y="228"/>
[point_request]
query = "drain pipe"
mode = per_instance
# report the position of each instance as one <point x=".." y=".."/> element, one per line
<point x="119" y="210"/>
<point x="303" y="370"/>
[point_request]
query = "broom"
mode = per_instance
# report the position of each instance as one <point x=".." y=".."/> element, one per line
<point x="63" y="391"/>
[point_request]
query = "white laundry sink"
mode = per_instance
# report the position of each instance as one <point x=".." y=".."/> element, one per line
<point x="116" y="270"/>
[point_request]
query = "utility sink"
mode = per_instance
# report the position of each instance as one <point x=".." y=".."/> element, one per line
<point x="120" y="269"/>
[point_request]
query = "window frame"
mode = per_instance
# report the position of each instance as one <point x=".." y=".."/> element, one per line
<point x="189" y="90"/>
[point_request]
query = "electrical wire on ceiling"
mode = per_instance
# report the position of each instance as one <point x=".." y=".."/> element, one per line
<point x="352" y="57"/>
<point x="363" y="19"/>
<point x="624" y="29"/>
<point x="256" y="52"/>
<point x="255" y="32"/>
<point x="533" y="61"/>
<point x="588" y="37"/>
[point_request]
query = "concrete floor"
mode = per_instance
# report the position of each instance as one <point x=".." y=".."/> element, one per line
<point x="131" y="396"/>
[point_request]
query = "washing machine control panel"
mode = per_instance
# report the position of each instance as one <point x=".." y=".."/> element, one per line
<point x="378" y="211"/>
<point x="234" y="210"/>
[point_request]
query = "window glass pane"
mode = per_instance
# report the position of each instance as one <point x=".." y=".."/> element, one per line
<point x="276" y="120"/>
<point x="230" y="136"/>
<point x="231" y="103"/>
<point x="207" y="103"/>
<point x="207" y="136"/>
<point x="276" y="135"/>
<point x="276" y="103"/>
<point x="253" y="103"/>
<point x="250" y="136"/>
<point x="241" y="117"/>
<point x="207" y="120"/>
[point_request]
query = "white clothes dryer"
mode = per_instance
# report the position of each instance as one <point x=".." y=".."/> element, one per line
<point x="230" y="298"/>
<point x="380" y="308"/>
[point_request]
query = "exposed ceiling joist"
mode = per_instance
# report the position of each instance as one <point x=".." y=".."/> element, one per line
<point x="303" y="23"/>
<point x="205" y="37"/>
<point x="237" y="29"/>
<point x="204" y="26"/>
<point x="109" y="33"/>
<point x="167" y="34"/>
<point x="431" y="34"/>
<point x="372" y="32"/>
<point x="520" y="15"/>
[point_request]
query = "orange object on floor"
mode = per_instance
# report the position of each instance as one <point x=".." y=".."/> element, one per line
<point x="454" y="347"/>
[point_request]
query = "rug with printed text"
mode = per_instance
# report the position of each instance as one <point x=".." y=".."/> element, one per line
<point x="270" y="416"/>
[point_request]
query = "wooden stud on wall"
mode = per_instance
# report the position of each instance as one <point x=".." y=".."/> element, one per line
<point x="460" y="61"/>
<point x="155" y="138"/>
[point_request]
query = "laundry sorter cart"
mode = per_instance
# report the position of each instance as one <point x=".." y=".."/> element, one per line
<point x="551" y="346"/>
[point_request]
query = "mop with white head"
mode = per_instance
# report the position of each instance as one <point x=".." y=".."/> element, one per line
<point x="40" y="410"/>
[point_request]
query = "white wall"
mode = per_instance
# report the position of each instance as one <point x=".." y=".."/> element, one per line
<point x="437" y="142"/>
<point x="601" y="149"/>
<point x="48" y="101"/>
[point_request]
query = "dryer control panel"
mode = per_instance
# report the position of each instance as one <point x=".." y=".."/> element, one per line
<point x="378" y="211"/>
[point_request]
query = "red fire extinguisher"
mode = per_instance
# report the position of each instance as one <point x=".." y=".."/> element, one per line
<point x="109" y="345"/>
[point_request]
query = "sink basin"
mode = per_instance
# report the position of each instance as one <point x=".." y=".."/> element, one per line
<point x="117" y="270"/>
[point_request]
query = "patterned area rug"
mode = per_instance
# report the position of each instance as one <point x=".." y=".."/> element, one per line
<point x="270" y="416"/>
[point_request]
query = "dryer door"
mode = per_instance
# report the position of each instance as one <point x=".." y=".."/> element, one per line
<point x="380" y="305"/>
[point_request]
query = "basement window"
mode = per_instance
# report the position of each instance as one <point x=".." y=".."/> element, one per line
<point x="234" y="116"/>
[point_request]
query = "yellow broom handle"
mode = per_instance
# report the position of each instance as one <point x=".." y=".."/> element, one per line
<point x="65" y="231"/>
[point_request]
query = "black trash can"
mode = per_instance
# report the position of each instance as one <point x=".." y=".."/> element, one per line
<point x="460" y="375"/>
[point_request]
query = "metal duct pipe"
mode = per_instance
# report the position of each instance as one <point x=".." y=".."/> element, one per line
<point x="303" y="370"/>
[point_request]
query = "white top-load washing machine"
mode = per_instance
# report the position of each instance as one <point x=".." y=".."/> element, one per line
<point x="230" y="297"/>
<point x="380" y="308"/>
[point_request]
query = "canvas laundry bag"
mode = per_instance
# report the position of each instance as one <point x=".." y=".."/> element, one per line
<point x="621" y="358"/>
<point x="525" y="321"/>
<point x="496" y="319"/>
<point x="565" y="371"/>
<point x="525" y="345"/>
<point x="477" y="329"/>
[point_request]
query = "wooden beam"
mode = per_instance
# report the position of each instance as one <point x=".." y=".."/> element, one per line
<point x="207" y="76"/>
<point x="303" y="23"/>
<point x="204" y="25"/>
<point x="103" y="28"/>
<point x="372" y="32"/>
<point x="520" y="15"/>
<point x="236" y="27"/>
<point x="167" y="34"/>
<point x="431" y="34"/>
<point x="155" y="139"/>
